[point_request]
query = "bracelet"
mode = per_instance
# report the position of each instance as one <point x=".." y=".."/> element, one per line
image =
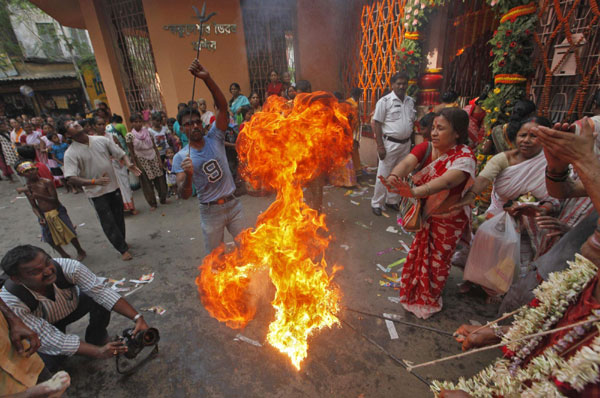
<point x="497" y="330"/>
<point x="395" y="175"/>
<point x="93" y="181"/>
<point x="138" y="316"/>
<point x="557" y="177"/>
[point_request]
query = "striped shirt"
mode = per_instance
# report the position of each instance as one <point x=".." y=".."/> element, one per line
<point x="55" y="342"/>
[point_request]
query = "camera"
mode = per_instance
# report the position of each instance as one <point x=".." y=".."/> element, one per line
<point x="135" y="344"/>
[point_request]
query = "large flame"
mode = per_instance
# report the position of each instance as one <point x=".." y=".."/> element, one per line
<point x="283" y="147"/>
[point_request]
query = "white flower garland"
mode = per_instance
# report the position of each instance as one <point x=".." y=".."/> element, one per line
<point x="503" y="379"/>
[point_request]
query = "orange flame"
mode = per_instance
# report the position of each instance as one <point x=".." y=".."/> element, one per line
<point x="283" y="147"/>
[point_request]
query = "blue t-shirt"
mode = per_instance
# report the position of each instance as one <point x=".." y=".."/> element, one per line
<point x="212" y="177"/>
<point x="58" y="150"/>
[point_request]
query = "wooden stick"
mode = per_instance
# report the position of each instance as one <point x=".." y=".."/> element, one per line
<point x="394" y="358"/>
<point x="464" y="354"/>
<point x="401" y="322"/>
<point x="503" y="317"/>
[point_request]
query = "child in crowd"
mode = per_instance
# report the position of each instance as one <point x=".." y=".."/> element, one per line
<point x="159" y="134"/>
<point x="172" y="137"/>
<point x="56" y="154"/>
<point x="57" y="228"/>
<point x="171" y="177"/>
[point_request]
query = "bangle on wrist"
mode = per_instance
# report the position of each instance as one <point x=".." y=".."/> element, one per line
<point x="93" y="181"/>
<point x="557" y="177"/>
<point x="395" y="175"/>
<point x="138" y="316"/>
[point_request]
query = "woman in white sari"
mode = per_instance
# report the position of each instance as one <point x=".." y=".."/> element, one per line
<point x="515" y="173"/>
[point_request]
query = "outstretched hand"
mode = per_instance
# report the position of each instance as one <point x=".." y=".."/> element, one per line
<point x="396" y="185"/>
<point x="198" y="70"/>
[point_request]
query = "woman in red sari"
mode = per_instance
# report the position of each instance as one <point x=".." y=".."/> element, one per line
<point x="446" y="174"/>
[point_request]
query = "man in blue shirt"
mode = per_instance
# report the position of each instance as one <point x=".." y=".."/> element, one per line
<point x="203" y="163"/>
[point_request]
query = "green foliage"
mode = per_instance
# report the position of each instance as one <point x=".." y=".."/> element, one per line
<point x="512" y="50"/>
<point x="416" y="15"/>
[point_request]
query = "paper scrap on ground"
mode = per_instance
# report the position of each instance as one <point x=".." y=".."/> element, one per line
<point x="397" y="263"/>
<point x="146" y="278"/>
<point x="394" y="299"/>
<point x="362" y="225"/>
<point x="404" y="245"/>
<point x="391" y="329"/>
<point x="381" y="267"/>
<point x="345" y="247"/>
<point x="355" y="203"/>
<point x="348" y="192"/>
<point x="393" y="316"/>
<point x="192" y="238"/>
<point x="157" y="309"/>
<point x="81" y="225"/>
<point x="133" y="291"/>
<point x="392" y="230"/>
<point x="389" y="284"/>
<point x="385" y="214"/>
<point x="393" y="278"/>
<point x="241" y="337"/>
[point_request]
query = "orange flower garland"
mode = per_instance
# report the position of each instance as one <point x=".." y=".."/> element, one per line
<point x="519" y="11"/>
<point x="514" y="78"/>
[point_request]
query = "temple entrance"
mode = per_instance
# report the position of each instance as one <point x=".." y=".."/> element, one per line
<point x="136" y="59"/>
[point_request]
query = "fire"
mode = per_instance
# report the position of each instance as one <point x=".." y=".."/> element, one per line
<point x="284" y="147"/>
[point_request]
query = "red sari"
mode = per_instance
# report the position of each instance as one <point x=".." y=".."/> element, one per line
<point x="428" y="262"/>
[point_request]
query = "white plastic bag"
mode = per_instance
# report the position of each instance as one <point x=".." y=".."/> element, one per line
<point x="495" y="254"/>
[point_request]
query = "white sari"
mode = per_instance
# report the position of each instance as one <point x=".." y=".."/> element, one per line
<point x="517" y="180"/>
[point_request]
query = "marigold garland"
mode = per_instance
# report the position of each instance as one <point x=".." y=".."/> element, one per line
<point x="511" y="51"/>
<point x="514" y="78"/>
<point x="518" y="12"/>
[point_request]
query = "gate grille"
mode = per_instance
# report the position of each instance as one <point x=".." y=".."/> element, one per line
<point x="270" y="28"/>
<point x="136" y="59"/>
<point x="565" y="98"/>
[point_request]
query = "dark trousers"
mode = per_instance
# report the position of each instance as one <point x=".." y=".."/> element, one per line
<point x="109" y="208"/>
<point x="95" y="333"/>
<point x="160" y="184"/>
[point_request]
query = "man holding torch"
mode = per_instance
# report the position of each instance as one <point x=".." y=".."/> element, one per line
<point x="203" y="163"/>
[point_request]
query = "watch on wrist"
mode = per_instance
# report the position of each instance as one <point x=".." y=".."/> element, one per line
<point x="138" y="316"/>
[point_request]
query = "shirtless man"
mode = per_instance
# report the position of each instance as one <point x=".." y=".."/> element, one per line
<point x="57" y="228"/>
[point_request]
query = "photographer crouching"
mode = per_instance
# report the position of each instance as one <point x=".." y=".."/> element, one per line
<point x="49" y="294"/>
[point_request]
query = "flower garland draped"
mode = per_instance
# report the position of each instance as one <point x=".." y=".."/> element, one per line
<point x="508" y="378"/>
<point x="512" y="52"/>
<point x="410" y="56"/>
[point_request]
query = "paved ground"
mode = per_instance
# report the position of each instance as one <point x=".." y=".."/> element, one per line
<point x="198" y="355"/>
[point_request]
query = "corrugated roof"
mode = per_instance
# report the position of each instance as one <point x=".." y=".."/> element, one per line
<point x="40" y="76"/>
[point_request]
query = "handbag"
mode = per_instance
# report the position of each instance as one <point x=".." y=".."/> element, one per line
<point x="134" y="182"/>
<point x="409" y="216"/>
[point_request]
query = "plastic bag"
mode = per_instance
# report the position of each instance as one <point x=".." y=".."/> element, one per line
<point x="495" y="254"/>
<point x="134" y="182"/>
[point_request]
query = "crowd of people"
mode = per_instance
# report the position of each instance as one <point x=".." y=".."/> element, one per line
<point x="504" y="205"/>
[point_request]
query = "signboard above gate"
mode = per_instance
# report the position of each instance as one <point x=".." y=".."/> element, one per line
<point x="185" y="30"/>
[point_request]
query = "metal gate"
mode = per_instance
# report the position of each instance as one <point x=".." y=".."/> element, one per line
<point x="382" y="32"/>
<point x="563" y="87"/>
<point x="136" y="59"/>
<point x="466" y="53"/>
<point x="270" y="30"/>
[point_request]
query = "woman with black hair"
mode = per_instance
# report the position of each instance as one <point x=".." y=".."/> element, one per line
<point x="447" y="168"/>
<point x="236" y="102"/>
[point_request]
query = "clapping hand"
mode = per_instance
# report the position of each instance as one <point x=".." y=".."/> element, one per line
<point x="562" y="146"/>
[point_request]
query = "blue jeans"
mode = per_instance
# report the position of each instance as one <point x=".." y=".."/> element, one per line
<point x="214" y="220"/>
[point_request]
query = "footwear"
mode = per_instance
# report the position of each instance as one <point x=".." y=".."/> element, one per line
<point x="394" y="207"/>
<point x="376" y="211"/>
